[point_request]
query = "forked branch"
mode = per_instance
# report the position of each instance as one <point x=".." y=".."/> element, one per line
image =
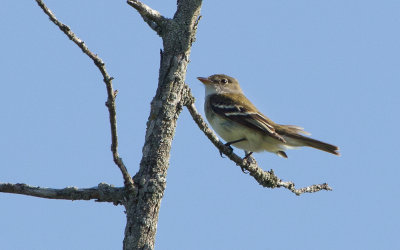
<point x="152" y="17"/>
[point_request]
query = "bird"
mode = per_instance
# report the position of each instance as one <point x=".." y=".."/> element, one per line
<point x="236" y="120"/>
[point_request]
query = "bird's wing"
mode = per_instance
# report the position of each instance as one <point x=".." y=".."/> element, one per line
<point x="243" y="111"/>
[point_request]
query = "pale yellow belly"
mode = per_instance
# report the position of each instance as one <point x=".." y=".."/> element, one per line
<point x="255" y="140"/>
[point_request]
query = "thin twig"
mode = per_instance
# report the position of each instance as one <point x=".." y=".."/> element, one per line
<point x="110" y="91"/>
<point x="102" y="193"/>
<point x="152" y="17"/>
<point x="264" y="178"/>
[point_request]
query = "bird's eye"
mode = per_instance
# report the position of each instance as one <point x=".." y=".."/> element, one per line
<point x="223" y="80"/>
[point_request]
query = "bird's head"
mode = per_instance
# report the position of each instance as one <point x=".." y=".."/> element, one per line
<point x="220" y="84"/>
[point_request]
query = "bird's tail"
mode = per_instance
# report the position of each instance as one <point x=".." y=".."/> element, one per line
<point x="293" y="138"/>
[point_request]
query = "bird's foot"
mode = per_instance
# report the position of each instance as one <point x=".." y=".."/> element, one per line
<point x="244" y="170"/>
<point x="248" y="156"/>
<point x="249" y="159"/>
<point x="228" y="144"/>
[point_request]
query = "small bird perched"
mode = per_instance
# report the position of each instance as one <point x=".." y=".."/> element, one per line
<point x="240" y="124"/>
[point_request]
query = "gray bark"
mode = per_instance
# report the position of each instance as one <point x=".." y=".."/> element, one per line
<point x="143" y="204"/>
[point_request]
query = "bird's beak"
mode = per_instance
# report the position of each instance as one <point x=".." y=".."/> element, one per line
<point x="204" y="80"/>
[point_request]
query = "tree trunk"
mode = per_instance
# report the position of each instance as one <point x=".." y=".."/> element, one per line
<point x="143" y="205"/>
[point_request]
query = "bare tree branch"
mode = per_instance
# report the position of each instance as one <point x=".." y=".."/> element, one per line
<point x="128" y="182"/>
<point x="102" y="193"/>
<point x="152" y="17"/>
<point x="264" y="178"/>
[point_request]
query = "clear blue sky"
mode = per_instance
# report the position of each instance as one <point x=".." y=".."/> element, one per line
<point x="329" y="66"/>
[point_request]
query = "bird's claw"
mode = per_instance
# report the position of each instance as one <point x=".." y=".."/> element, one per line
<point x="249" y="159"/>
<point x="230" y="149"/>
<point x="248" y="156"/>
<point x="245" y="171"/>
